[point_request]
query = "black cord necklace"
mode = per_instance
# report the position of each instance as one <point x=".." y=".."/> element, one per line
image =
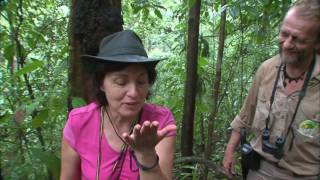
<point x="120" y="161"/>
<point x="116" y="129"/>
<point x="290" y="79"/>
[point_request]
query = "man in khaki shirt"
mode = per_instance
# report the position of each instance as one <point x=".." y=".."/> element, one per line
<point x="293" y="114"/>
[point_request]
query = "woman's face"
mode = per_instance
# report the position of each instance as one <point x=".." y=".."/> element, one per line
<point x="126" y="90"/>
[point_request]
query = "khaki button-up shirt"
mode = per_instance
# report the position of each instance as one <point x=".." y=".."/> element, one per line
<point x="304" y="156"/>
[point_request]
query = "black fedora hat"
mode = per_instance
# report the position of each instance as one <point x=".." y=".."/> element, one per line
<point x="124" y="46"/>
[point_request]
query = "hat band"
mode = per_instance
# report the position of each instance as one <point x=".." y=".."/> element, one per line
<point x="123" y="51"/>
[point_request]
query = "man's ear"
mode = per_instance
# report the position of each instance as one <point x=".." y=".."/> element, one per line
<point x="101" y="88"/>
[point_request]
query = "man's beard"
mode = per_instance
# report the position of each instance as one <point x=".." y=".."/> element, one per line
<point x="288" y="57"/>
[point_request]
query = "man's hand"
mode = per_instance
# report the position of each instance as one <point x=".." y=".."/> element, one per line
<point x="229" y="164"/>
<point x="229" y="159"/>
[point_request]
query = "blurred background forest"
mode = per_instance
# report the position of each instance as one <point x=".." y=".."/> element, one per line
<point x="213" y="50"/>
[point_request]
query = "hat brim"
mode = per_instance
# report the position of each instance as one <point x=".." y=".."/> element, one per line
<point x="124" y="58"/>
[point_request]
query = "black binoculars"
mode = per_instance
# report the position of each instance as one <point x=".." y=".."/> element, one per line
<point x="277" y="149"/>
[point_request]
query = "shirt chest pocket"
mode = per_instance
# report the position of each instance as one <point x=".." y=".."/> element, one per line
<point x="261" y="114"/>
<point x="278" y="115"/>
<point x="307" y="138"/>
<point x="307" y="126"/>
<point x="306" y="129"/>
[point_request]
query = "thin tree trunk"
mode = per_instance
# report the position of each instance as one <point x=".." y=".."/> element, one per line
<point x="241" y="57"/>
<point x="191" y="81"/>
<point x="216" y="86"/>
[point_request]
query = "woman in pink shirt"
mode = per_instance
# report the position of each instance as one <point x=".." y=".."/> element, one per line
<point x="119" y="135"/>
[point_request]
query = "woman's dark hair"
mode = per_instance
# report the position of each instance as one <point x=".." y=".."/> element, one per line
<point x="97" y="71"/>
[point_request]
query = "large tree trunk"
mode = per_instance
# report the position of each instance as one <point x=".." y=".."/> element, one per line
<point x="191" y="82"/>
<point x="91" y="20"/>
<point x="216" y="86"/>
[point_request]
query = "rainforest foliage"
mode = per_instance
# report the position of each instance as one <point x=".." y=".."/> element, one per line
<point x="34" y="66"/>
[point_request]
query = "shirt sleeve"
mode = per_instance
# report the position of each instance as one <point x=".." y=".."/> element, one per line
<point x="158" y="113"/>
<point x="169" y="120"/>
<point x="68" y="133"/>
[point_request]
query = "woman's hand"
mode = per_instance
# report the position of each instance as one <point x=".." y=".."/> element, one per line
<point x="145" y="137"/>
<point x="149" y="144"/>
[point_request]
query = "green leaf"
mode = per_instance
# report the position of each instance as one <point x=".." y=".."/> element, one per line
<point x="4" y="117"/>
<point x="136" y="9"/>
<point x="234" y="12"/>
<point x="251" y="11"/>
<point x="145" y="13"/>
<point x="203" y="61"/>
<point x="77" y="102"/>
<point x="8" y="52"/>
<point x="39" y="119"/>
<point x="65" y="50"/>
<point x="57" y="104"/>
<point x="50" y="160"/>
<point x="29" y="68"/>
<point x="32" y="106"/>
<point x="159" y="6"/>
<point x="158" y="13"/>
<point x="191" y="3"/>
